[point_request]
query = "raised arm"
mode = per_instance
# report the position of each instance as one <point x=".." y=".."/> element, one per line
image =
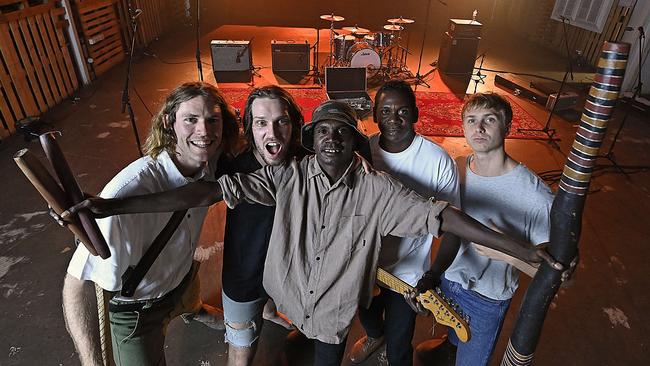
<point x="195" y="194"/>
<point x="459" y="223"/>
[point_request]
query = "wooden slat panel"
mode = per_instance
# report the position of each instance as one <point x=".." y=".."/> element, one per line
<point x="29" y="67"/>
<point x="63" y="45"/>
<point x="58" y="56"/>
<point x="42" y="54"/>
<point x="53" y="62"/>
<point x="36" y="62"/>
<point x="27" y="104"/>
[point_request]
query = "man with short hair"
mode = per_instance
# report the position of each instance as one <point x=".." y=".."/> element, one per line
<point x="426" y="168"/>
<point x="329" y="218"/>
<point x="193" y="127"/>
<point x="502" y="193"/>
<point x="272" y="123"/>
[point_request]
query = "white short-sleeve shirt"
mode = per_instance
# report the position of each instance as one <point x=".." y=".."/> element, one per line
<point x="129" y="236"/>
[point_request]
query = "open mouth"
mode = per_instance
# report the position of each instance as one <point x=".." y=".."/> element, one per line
<point x="202" y="144"/>
<point x="273" y="147"/>
<point x="332" y="150"/>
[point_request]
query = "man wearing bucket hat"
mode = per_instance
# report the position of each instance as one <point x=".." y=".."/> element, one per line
<point x="329" y="218"/>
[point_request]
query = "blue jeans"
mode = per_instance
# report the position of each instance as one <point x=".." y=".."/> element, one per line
<point x="486" y="319"/>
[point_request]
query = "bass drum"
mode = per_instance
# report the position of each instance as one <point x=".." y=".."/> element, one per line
<point x="362" y="55"/>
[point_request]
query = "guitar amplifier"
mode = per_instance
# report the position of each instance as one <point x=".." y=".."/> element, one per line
<point x="290" y="56"/>
<point x="349" y="85"/>
<point x="457" y="55"/>
<point x="232" y="61"/>
<point x="464" y="28"/>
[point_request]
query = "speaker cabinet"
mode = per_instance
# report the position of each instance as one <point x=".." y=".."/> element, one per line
<point x="457" y="55"/>
<point x="290" y="60"/>
<point x="232" y="61"/>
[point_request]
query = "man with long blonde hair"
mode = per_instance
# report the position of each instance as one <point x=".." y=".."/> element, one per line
<point x="193" y="128"/>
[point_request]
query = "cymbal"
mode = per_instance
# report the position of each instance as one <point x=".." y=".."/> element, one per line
<point x="393" y="27"/>
<point x="401" y="20"/>
<point x="357" y="30"/>
<point x="332" y="18"/>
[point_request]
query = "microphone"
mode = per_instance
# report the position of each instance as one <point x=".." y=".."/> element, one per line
<point x="136" y="13"/>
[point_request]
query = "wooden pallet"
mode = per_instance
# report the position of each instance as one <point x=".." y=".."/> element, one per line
<point x="101" y="34"/>
<point x="36" y="70"/>
<point x="152" y="22"/>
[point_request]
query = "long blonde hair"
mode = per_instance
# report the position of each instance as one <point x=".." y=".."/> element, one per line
<point x="164" y="139"/>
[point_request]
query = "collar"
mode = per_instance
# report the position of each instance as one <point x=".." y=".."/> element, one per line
<point x="175" y="174"/>
<point x="314" y="169"/>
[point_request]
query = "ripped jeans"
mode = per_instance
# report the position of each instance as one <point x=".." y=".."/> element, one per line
<point x="248" y="315"/>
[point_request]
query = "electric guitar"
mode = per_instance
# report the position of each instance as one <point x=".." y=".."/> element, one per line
<point x="443" y="309"/>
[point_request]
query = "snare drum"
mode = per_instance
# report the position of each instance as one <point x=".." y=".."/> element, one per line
<point x="342" y="44"/>
<point x="380" y="39"/>
<point x="362" y="55"/>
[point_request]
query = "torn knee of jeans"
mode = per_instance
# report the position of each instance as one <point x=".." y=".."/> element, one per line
<point x="236" y="326"/>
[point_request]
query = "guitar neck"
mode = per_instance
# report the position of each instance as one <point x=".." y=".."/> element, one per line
<point x="392" y="282"/>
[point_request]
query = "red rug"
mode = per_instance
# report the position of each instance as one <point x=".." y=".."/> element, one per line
<point x="439" y="112"/>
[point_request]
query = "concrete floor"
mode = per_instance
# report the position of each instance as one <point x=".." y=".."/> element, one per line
<point x="601" y="320"/>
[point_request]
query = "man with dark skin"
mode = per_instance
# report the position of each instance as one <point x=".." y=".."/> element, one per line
<point x="426" y="168"/>
<point x="329" y="219"/>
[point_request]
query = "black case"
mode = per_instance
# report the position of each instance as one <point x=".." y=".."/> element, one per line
<point x="349" y="84"/>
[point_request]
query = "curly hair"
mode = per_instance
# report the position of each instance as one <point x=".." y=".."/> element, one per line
<point x="164" y="139"/>
<point x="295" y="113"/>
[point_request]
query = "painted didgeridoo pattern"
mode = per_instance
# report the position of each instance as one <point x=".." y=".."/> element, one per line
<point x="566" y="213"/>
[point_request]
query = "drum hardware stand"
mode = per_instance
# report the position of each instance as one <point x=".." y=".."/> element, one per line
<point x="550" y="132"/>
<point x="609" y="155"/>
<point x="199" y="66"/>
<point x="419" y="79"/>
<point x="126" y="100"/>
<point x="480" y="78"/>
<point x="315" y="70"/>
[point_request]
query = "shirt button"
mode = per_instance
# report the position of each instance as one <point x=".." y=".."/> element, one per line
<point x="188" y="216"/>
<point x="307" y="317"/>
<point x="311" y="292"/>
<point x="322" y="227"/>
<point x="317" y="258"/>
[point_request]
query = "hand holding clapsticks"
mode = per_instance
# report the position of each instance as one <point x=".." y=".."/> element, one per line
<point x="61" y="197"/>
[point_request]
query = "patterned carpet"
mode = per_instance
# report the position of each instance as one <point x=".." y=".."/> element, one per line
<point x="439" y="112"/>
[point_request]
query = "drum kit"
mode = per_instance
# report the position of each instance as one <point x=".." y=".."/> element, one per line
<point x="381" y="53"/>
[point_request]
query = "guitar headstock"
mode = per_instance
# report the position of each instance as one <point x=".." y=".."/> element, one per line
<point x="446" y="312"/>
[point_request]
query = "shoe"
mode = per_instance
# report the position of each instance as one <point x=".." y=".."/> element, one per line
<point x="438" y="351"/>
<point x="364" y="347"/>
<point x="210" y="316"/>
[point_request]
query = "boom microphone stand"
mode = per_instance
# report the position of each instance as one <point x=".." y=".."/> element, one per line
<point x="199" y="66"/>
<point x="609" y="155"/>
<point x="419" y="79"/>
<point x="126" y="101"/>
<point x="550" y="132"/>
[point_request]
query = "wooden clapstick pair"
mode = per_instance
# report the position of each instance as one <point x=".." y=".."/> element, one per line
<point x="84" y="226"/>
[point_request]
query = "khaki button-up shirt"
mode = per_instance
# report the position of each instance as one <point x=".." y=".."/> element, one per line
<point x="323" y="251"/>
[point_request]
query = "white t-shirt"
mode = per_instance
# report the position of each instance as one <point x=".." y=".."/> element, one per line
<point x="129" y="236"/>
<point x="518" y="203"/>
<point x="427" y="169"/>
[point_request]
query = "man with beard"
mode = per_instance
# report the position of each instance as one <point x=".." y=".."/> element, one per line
<point x="426" y="168"/>
<point x="193" y="127"/>
<point x="329" y="218"/>
<point x="272" y="123"/>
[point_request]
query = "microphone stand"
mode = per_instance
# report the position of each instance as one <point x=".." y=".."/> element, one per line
<point x="609" y="155"/>
<point x="480" y="78"/>
<point x="550" y="132"/>
<point x="419" y="79"/>
<point x="199" y="66"/>
<point x="126" y="100"/>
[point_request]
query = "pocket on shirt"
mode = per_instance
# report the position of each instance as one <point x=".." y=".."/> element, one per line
<point x="352" y="228"/>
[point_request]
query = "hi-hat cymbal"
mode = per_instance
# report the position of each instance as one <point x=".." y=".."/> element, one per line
<point x="357" y="30"/>
<point x="332" y="18"/>
<point x="393" y="27"/>
<point x="401" y="20"/>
